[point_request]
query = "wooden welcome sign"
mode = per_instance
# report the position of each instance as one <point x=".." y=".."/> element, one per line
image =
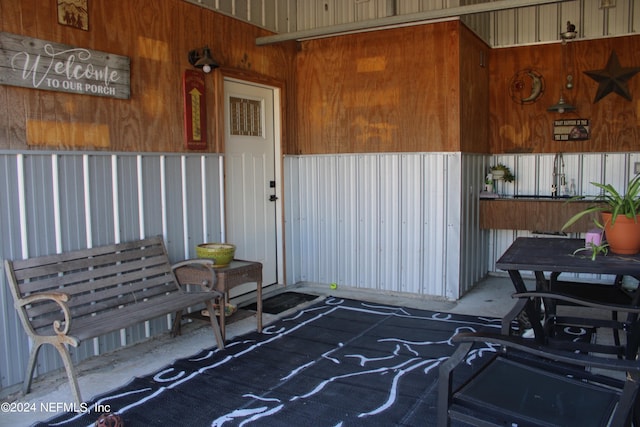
<point x="39" y="64"/>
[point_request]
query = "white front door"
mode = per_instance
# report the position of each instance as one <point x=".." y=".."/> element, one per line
<point x="250" y="179"/>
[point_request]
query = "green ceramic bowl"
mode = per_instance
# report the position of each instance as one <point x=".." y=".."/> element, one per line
<point x="221" y="253"/>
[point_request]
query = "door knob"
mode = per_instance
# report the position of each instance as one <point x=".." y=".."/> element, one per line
<point x="273" y="198"/>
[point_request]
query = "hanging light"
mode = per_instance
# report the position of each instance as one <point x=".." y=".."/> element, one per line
<point x="561" y="106"/>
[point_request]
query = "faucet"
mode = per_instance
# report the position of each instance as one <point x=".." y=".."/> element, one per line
<point x="559" y="186"/>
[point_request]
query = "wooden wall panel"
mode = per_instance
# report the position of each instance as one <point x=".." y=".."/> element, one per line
<point x="541" y="215"/>
<point x="156" y="36"/>
<point x="615" y="122"/>
<point x="402" y="90"/>
<point x="474" y="93"/>
<point x="386" y="91"/>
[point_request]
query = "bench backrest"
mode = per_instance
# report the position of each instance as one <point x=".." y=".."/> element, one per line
<point x="96" y="279"/>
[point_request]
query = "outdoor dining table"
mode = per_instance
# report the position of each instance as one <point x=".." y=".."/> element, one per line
<point x="555" y="256"/>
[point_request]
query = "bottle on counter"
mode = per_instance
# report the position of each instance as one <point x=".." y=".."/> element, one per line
<point x="488" y="183"/>
<point x="572" y="188"/>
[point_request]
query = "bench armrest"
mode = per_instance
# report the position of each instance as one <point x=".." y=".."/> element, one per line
<point x="59" y="298"/>
<point x="209" y="285"/>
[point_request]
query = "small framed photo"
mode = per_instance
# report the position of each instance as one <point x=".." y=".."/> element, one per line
<point x="73" y="13"/>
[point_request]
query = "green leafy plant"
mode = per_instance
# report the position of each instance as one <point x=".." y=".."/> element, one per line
<point x="602" y="248"/>
<point x="508" y="175"/>
<point x="595" y="250"/>
<point x="610" y="200"/>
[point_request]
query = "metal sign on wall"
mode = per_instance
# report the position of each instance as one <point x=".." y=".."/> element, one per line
<point x="195" y="110"/>
<point x="571" y="130"/>
<point x="39" y="64"/>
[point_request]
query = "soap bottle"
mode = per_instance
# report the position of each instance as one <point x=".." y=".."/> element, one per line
<point x="572" y="188"/>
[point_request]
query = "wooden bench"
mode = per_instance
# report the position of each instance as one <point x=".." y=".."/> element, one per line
<point x="67" y="298"/>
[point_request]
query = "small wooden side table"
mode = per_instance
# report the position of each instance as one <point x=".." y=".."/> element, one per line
<point x="236" y="273"/>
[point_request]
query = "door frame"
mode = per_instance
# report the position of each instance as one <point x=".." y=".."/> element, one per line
<point x="277" y="89"/>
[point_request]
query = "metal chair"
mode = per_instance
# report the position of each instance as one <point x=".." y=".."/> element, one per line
<point x="530" y="384"/>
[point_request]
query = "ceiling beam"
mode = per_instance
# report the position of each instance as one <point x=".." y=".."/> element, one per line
<point x="402" y="20"/>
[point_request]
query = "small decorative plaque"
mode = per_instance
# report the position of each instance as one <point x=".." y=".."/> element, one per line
<point x="571" y="130"/>
<point x="195" y="110"/>
<point x="73" y="13"/>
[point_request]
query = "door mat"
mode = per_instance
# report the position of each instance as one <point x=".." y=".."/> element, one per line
<point x="282" y="302"/>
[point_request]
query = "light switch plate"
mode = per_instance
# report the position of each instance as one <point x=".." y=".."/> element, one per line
<point x="636" y="168"/>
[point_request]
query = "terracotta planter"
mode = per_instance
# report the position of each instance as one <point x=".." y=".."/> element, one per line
<point x="624" y="236"/>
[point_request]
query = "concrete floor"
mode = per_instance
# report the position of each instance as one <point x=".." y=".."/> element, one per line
<point x="491" y="297"/>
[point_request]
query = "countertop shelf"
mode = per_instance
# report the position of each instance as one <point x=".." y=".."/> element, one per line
<point x="534" y="214"/>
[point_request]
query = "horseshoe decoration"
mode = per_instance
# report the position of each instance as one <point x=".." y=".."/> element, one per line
<point x="526" y="86"/>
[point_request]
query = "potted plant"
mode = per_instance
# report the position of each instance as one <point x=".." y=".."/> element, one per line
<point x="619" y="213"/>
<point x="596" y="244"/>
<point x="501" y="171"/>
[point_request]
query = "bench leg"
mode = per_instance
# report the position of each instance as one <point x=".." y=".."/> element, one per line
<point x="33" y="357"/>
<point x="71" y="373"/>
<point x="68" y="366"/>
<point x="214" y="323"/>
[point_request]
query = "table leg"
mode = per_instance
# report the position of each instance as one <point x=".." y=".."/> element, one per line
<point x="542" y="284"/>
<point x="530" y="308"/>
<point x="633" y="332"/>
<point x="223" y="318"/>
<point x="176" y="328"/>
<point x="259" y="305"/>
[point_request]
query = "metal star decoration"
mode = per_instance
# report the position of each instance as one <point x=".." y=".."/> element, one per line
<point x="614" y="78"/>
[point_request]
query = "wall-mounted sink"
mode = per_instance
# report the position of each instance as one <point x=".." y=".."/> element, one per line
<point x="538" y="196"/>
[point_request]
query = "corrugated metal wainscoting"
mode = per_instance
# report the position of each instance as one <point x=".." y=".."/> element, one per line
<point x="53" y="202"/>
<point x="403" y="223"/>
<point x="388" y="222"/>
